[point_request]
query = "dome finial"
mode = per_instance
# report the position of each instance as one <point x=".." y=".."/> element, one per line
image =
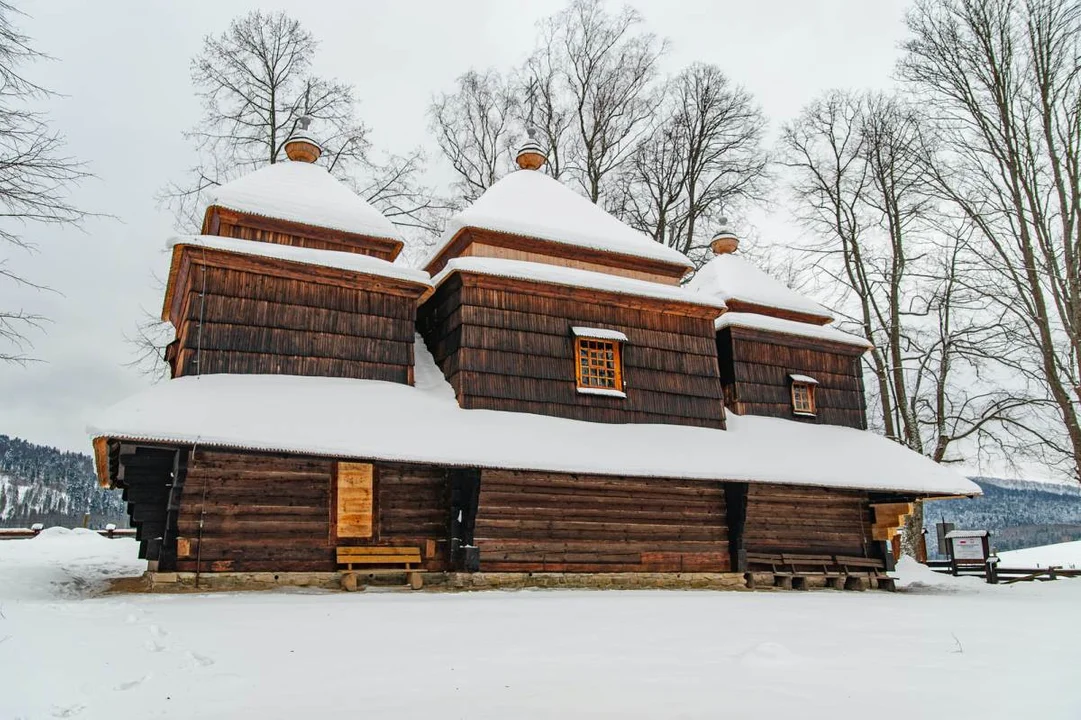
<point x="301" y="146"/>
<point x="531" y="156"/>
<point x="724" y="240"/>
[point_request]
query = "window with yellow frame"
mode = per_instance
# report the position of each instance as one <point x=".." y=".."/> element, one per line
<point x="599" y="365"/>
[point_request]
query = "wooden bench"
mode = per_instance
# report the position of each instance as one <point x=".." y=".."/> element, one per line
<point x="791" y="570"/>
<point x="857" y="568"/>
<point x="386" y="559"/>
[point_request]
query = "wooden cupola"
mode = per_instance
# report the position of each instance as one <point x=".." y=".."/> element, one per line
<point x="298" y="202"/>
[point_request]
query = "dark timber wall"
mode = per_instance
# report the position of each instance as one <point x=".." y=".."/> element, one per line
<point x="791" y="518"/>
<point x="511" y="348"/>
<point x="755" y="367"/>
<point x="274" y="512"/>
<point x="260" y="512"/>
<point x="253" y="323"/>
<point x="530" y="521"/>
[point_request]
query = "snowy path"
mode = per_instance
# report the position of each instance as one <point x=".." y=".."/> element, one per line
<point x="1014" y="650"/>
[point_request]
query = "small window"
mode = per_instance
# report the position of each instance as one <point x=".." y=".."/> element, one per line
<point x="803" y="394"/>
<point x="600" y="367"/>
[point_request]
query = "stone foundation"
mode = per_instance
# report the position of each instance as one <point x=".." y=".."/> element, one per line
<point x="184" y="582"/>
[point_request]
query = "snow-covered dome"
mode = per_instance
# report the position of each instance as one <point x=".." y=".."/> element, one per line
<point x="303" y="193"/>
<point x="732" y="278"/>
<point x="530" y="203"/>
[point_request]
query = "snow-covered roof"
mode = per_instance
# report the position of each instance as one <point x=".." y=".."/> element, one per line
<point x="573" y="277"/>
<point x="354" y="262"/>
<point x="966" y="534"/>
<point x="754" y="321"/>
<point x="731" y="277"/>
<point x="796" y="377"/>
<point x="369" y="419"/>
<point x="599" y="333"/>
<point x="304" y="193"/>
<point x="529" y="203"/>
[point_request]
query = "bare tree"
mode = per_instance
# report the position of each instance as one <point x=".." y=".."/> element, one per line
<point x="606" y="69"/>
<point x="474" y="127"/>
<point x="703" y="159"/>
<point x="255" y="82"/>
<point x="36" y="175"/>
<point x="1002" y="83"/>
<point x="859" y="167"/>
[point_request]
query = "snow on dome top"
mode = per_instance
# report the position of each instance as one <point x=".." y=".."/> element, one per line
<point x="530" y="203"/>
<point x="731" y="277"/>
<point x="303" y="193"/>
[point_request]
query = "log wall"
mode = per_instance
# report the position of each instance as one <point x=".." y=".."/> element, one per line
<point x="259" y="512"/>
<point x="796" y="519"/>
<point x="509" y="349"/>
<point x="532" y="522"/>
<point x="755" y="367"/>
<point x="276" y="512"/>
<point x="252" y="323"/>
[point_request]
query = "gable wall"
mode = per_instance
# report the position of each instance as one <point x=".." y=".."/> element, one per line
<point x="507" y="349"/>
<point x="755" y="367"/>
<point x="253" y="323"/>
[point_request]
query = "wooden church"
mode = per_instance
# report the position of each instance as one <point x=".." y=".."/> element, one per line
<point x="546" y="394"/>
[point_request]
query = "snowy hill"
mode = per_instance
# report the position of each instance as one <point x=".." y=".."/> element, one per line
<point x="43" y="484"/>
<point x="1067" y="555"/>
<point x="1019" y="513"/>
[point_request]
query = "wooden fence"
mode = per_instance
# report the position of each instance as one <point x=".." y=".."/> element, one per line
<point x="24" y="533"/>
<point x="993" y="573"/>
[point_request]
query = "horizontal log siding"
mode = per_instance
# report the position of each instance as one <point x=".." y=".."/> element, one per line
<point x="755" y="368"/>
<point x="531" y="522"/>
<point x="258" y="324"/>
<point x="505" y="350"/>
<point x="412" y="508"/>
<point x="789" y="518"/>
<point x="260" y="512"/>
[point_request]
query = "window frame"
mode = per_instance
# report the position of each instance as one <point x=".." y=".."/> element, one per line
<point x="616" y="389"/>
<point x="810" y="409"/>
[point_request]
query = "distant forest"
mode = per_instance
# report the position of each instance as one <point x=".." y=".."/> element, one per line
<point x="1018" y="513"/>
<point x="40" y="484"/>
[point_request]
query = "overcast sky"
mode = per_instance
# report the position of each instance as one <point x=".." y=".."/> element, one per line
<point x="122" y="66"/>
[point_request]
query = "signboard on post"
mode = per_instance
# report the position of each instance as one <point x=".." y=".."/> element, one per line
<point x="968" y="547"/>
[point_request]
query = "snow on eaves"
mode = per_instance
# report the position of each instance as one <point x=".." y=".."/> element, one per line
<point x="303" y="193"/>
<point x="374" y="420"/>
<point x="353" y="262"/>
<point x="754" y="321"/>
<point x="731" y="277"/>
<point x="573" y="277"/>
<point x="530" y="203"/>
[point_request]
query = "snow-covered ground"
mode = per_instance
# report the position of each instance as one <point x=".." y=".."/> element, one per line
<point x="1067" y="555"/>
<point x="945" y="647"/>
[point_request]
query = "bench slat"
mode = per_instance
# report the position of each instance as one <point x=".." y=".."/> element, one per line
<point x="361" y="550"/>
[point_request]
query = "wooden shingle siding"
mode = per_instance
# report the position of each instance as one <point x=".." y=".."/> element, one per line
<point x="259" y="512"/>
<point x="532" y="522"/>
<point x="510" y="350"/>
<point x="755" y="368"/>
<point x="791" y="518"/>
<point x="229" y="223"/>
<point x="257" y="324"/>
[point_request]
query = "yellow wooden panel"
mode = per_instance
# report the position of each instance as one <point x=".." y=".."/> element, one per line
<point x="354" y="500"/>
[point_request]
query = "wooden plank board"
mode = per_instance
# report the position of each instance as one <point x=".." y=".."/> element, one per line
<point x="355" y="484"/>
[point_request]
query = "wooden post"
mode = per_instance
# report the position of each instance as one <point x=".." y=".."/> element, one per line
<point x="735" y="499"/>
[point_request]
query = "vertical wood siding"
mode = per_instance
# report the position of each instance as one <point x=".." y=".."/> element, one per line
<point x="514" y="351"/>
<point x="790" y="518"/>
<point x="755" y="367"/>
<point x="531" y="521"/>
<point x="258" y="324"/>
